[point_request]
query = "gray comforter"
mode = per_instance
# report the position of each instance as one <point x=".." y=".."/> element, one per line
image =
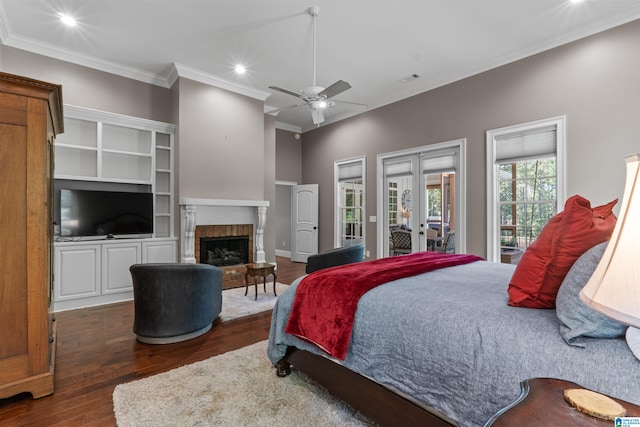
<point x="449" y="340"/>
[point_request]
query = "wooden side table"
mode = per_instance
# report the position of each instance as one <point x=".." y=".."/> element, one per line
<point x="257" y="270"/>
<point x="541" y="403"/>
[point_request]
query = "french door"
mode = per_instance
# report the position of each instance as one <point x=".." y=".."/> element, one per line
<point x="421" y="193"/>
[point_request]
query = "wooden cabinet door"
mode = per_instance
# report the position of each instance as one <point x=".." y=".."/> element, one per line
<point x="13" y="225"/>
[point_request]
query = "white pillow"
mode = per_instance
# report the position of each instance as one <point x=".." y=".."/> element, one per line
<point x="633" y="340"/>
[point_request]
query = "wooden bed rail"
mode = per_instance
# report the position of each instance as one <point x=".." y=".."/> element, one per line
<point x="376" y="402"/>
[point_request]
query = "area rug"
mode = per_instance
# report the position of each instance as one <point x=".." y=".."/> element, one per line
<point x="235" y="304"/>
<point x="239" y="388"/>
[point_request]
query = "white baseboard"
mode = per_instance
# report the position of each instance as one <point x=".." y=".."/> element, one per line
<point x="285" y="254"/>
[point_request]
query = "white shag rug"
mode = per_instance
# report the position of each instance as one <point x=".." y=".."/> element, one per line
<point x="235" y="304"/>
<point x="238" y="388"/>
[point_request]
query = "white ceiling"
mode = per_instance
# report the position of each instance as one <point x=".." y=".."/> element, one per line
<point x="370" y="44"/>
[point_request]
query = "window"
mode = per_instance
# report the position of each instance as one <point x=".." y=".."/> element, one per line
<point x="393" y="203"/>
<point x="526" y="183"/>
<point x="349" y="176"/>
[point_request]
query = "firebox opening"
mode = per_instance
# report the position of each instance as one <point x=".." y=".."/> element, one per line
<point x="223" y="251"/>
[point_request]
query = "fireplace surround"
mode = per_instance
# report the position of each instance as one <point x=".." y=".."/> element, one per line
<point x="203" y="218"/>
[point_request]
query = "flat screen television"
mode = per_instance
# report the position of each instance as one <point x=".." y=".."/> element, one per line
<point x="89" y="213"/>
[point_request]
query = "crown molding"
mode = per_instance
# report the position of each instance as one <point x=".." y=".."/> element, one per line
<point x="90" y="114"/>
<point x="288" y="127"/>
<point x="179" y="70"/>
<point x="95" y="63"/>
<point x="166" y="81"/>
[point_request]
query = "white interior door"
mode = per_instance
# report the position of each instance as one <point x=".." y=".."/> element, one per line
<point x="304" y="220"/>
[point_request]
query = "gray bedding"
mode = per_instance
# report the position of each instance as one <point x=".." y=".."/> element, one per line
<point x="448" y="339"/>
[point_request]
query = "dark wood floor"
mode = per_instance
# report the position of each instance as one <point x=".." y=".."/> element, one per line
<point x="96" y="350"/>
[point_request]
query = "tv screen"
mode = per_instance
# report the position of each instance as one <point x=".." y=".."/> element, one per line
<point x="105" y="213"/>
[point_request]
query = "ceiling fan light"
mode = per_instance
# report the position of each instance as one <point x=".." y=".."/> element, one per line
<point x="322" y="104"/>
<point x="317" y="116"/>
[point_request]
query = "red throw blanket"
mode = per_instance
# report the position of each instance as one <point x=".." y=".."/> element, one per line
<point x="325" y="303"/>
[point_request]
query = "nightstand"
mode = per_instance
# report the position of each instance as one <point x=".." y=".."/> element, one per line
<point x="541" y="403"/>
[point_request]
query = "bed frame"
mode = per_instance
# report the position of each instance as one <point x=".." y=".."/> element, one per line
<point x="373" y="400"/>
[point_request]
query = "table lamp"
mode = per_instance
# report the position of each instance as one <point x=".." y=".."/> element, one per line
<point x="614" y="287"/>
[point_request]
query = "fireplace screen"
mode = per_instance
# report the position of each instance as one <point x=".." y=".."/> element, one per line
<point x="221" y="251"/>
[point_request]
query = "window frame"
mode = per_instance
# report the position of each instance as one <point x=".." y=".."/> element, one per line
<point x="338" y="164"/>
<point x="493" y="196"/>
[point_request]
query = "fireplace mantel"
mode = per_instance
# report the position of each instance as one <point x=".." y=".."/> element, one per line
<point x="224" y="202"/>
<point x="219" y="212"/>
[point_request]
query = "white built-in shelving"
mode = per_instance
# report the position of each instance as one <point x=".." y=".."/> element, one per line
<point x="101" y="146"/>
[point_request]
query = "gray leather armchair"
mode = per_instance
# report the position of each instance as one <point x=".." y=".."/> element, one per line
<point x="175" y="302"/>
<point x="335" y="257"/>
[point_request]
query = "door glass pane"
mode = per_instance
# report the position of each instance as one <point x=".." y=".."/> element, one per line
<point x="350" y="211"/>
<point x="439" y="210"/>
<point x="401" y="207"/>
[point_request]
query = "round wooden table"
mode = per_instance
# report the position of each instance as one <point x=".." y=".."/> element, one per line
<point x="262" y="269"/>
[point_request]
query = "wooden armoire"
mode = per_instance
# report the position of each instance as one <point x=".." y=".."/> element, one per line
<point x="30" y="117"/>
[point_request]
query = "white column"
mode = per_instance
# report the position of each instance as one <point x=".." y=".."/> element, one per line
<point x="259" y="241"/>
<point x="188" y="233"/>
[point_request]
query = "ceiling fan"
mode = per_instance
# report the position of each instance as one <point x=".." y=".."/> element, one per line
<point x="316" y="97"/>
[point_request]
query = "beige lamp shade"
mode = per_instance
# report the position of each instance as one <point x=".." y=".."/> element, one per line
<point x="614" y="287"/>
<point x="406" y="214"/>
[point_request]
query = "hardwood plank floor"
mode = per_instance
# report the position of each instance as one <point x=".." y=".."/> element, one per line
<point x="97" y="350"/>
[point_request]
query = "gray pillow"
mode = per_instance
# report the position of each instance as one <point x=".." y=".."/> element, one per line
<point x="577" y="319"/>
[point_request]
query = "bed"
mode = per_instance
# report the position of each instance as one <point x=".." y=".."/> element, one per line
<point x="445" y="348"/>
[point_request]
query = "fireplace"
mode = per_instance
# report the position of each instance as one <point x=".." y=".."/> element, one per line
<point x="224" y="251"/>
<point x="231" y="244"/>
<point x="201" y="218"/>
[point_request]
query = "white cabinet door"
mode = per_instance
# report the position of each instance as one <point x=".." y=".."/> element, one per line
<point x="116" y="260"/>
<point x="159" y="251"/>
<point x="77" y="272"/>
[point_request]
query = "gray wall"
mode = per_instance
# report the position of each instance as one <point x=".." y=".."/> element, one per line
<point x="288" y="155"/>
<point x="283" y="218"/>
<point x="90" y="88"/>
<point x="220" y="143"/>
<point x="593" y="81"/>
<point x="269" y="162"/>
<point x="288" y="169"/>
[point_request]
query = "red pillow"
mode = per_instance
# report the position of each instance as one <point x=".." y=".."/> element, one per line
<point x="566" y="236"/>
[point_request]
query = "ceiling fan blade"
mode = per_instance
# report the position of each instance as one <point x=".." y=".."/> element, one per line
<point x="351" y="103"/>
<point x="335" y="89"/>
<point x="317" y="115"/>
<point x="287" y="91"/>
<point x="279" y="110"/>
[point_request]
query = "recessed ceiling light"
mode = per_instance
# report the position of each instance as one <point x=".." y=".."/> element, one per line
<point x="409" y="78"/>
<point x="240" y="69"/>
<point x="68" y="19"/>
